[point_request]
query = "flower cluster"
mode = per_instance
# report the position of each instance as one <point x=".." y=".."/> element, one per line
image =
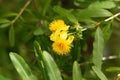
<point x="60" y="37"/>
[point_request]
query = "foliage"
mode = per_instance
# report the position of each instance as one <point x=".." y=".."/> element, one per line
<point x="86" y="33"/>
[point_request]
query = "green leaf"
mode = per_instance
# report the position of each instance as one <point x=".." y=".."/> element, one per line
<point x="11" y="36"/>
<point x="113" y="69"/>
<point x="48" y="64"/>
<point x="3" y="20"/>
<point x="99" y="73"/>
<point x="39" y="54"/>
<point x="66" y="13"/>
<point x="21" y="67"/>
<point x="76" y="71"/>
<point x="4" y="23"/>
<point x="102" y="4"/>
<point x="98" y="46"/>
<point x="53" y="71"/>
<point x="107" y="31"/>
<point x="4" y="78"/>
<point x="9" y="14"/>
<point x="94" y="12"/>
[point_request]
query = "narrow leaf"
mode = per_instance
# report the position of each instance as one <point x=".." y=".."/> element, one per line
<point x="2" y="20"/>
<point x="98" y="46"/>
<point x="49" y="67"/>
<point x="76" y="71"/>
<point x="66" y="13"/>
<point x="39" y="54"/>
<point x="4" y="25"/>
<point x="52" y="69"/>
<point x="99" y="73"/>
<point x="11" y="36"/>
<point x="107" y="31"/>
<point x="113" y="69"/>
<point x="22" y="67"/>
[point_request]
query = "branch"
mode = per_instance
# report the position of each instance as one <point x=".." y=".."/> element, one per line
<point x="21" y="11"/>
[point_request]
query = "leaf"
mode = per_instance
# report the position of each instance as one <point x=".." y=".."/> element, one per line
<point x="11" y="36"/>
<point x="4" y="78"/>
<point x="39" y="54"/>
<point x="9" y="14"/>
<point x="99" y="73"/>
<point x="94" y="12"/>
<point x="21" y="67"/>
<point x="4" y="23"/>
<point x="3" y="20"/>
<point x="102" y="4"/>
<point x="48" y="63"/>
<point x="51" y="66"/>
<point x="98" y="46"/>
<point x="66" y="13"/>
<point x="107" y="31"/>
<point x="76" y="71"/>
<point x="113" y="69"/>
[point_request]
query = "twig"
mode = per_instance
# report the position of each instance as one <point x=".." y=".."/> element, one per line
<point x="21" y="11"/>
<point x="112" y="17"/>
<point x="103" y="59"/>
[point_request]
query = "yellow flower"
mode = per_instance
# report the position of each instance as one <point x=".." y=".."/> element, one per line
<point x="63" y="46"/>
<point x="58" y="25"/>
<point x="58" y="35"/>
<point x="62" y="41"/>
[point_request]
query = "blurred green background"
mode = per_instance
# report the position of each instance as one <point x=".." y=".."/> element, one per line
<point x="33" y="25"/>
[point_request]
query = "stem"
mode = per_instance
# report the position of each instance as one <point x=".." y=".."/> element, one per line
<point x="112" y="17"/>
<point x="21" y="11"/>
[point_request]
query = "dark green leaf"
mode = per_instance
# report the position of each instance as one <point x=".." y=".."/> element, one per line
<point x="76" y="71"/>
<point x="22" y="67"/>
<point x="66" y="13"/>
<point x="11" y="36"/>
<point x="98" y="46"/>
<point x="99" y="73"/>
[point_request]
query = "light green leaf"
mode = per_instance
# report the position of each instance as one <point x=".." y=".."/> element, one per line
<point x="66" y="13"/>
<point x="113" y="69"/>
<point x="107" y="31"/>
<point x="21" y="67"/>
<point x="99" y="73"/>
<point x="11" y="36"/>
<point x="102" y="4"/>
<point x="76" y="71"/>
<point x="52" y="69"/>
<point x="49" y="66"/>
<point x="4" y="23"/>
<point x="98" y="46"/>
